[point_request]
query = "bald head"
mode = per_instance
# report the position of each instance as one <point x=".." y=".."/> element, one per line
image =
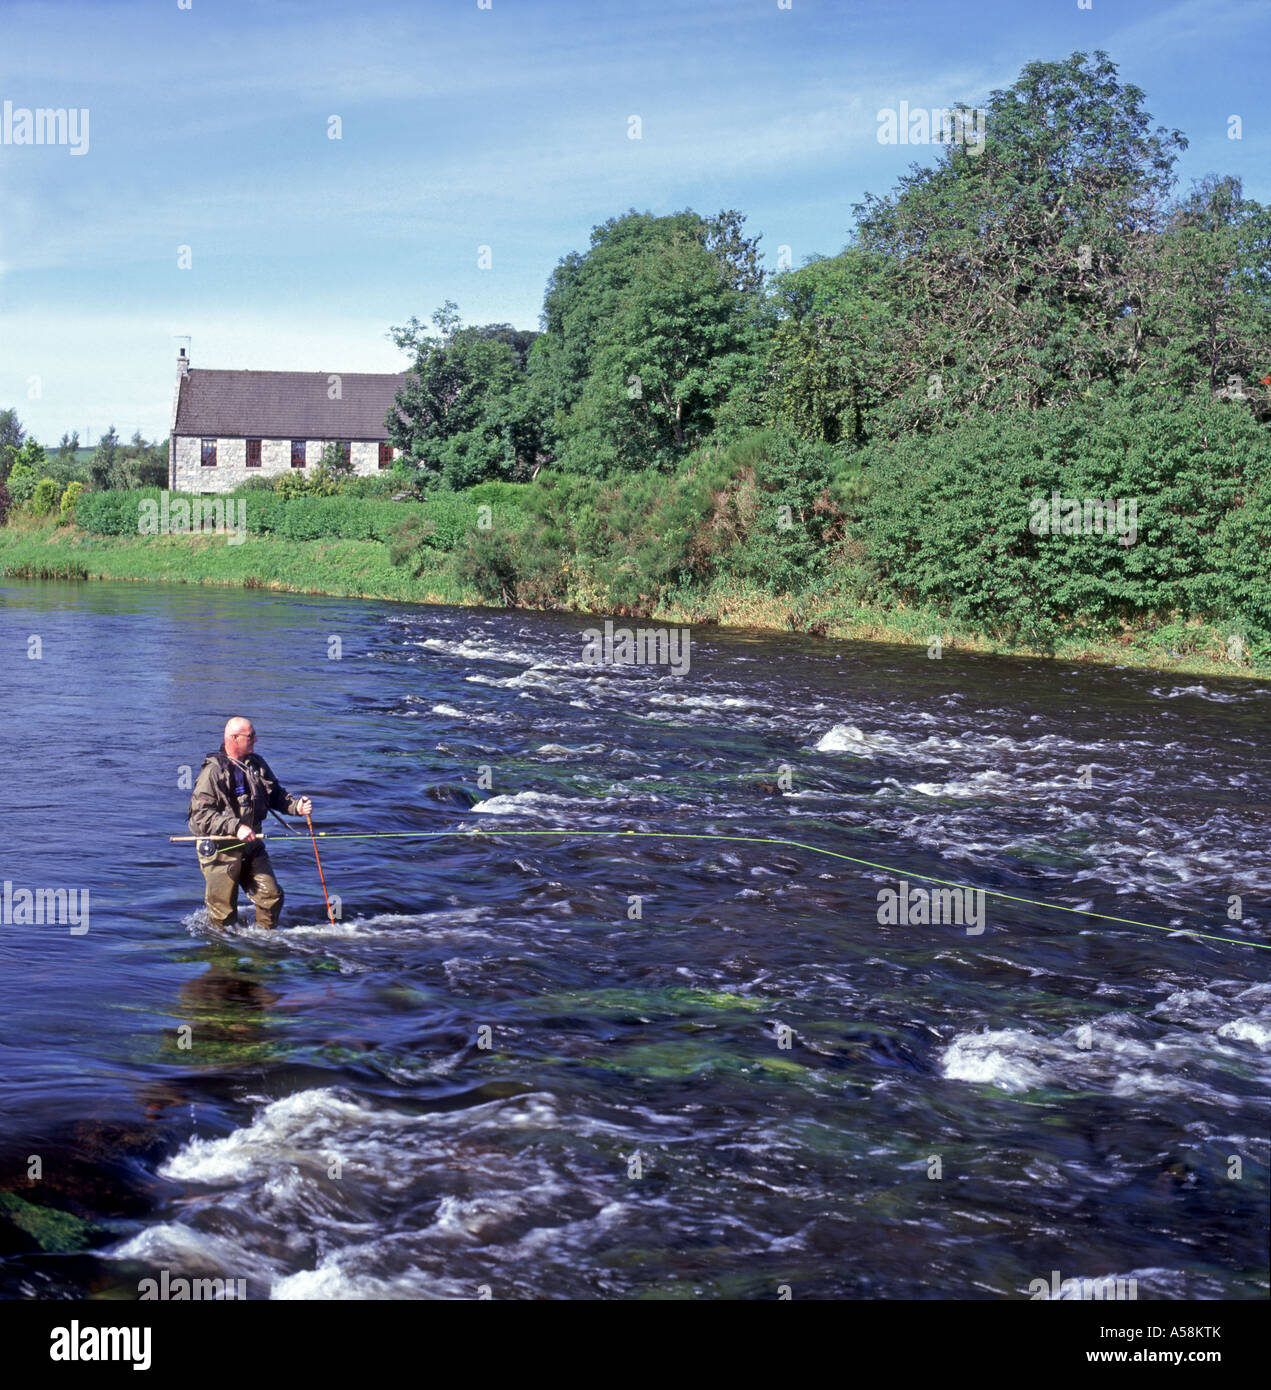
<point x="240" y="737"/>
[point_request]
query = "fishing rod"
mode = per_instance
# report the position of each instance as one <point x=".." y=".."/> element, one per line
<point x="476" y="832"/>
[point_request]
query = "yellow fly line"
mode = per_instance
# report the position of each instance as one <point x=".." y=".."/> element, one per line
<point x="476" y="831"/>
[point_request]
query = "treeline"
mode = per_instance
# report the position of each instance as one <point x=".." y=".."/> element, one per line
<point x="1048" y="265"/>
<point x="1036" y="316"/>
<point x="42" y="483"/>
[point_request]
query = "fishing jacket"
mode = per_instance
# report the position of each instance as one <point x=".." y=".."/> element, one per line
<point x="229" y="794"/>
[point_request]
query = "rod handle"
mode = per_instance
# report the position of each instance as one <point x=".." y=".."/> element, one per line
<point x="194" y="839"/>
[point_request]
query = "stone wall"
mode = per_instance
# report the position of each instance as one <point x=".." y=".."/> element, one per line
<point x="231" y="471"/>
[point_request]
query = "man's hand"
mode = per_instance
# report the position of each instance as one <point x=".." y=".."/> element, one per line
<point x="304" y="806"/>
<point x="245" y="832"/>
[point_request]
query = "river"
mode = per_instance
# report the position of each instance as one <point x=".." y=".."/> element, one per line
<point x="612" y="1066"/>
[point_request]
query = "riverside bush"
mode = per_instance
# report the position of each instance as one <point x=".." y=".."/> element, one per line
<point x="44" y="498"/>
<point x="304" y="517"/>
<point x="337" y="518"/>
<point x="759" y="509"/>
<point x="115" y="512"/>
<point x="21" y="489"/>
<point x="948" y="516"/>
<point x="66" y="511"/>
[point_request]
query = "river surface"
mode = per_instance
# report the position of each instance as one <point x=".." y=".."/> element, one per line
<point x="609" y="1066"/>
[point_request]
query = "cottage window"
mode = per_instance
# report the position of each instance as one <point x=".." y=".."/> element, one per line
<point x="253" y="453"/>
<point x="298" y="453"/>
<point x="207" y="452"/>
<point x="345" y="447"/>
<point x="386" y="455"/>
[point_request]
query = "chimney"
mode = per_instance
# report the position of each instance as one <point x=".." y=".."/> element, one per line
<point x="183" y="364"/>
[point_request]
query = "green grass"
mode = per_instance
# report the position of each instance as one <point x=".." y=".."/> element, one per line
<point x="344" y="569"/>
<point x="1186" y="648"/>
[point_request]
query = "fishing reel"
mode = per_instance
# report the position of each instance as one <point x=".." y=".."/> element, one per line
<point x="206" y="848"/>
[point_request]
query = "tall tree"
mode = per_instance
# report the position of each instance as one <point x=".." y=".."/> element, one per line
<point x="1015" y="261"/>
<point x="830" y="356"/>
<point x="1207" y="305"/>
<point x="105" y="461"/>
<point x="643" y="336"/>
<point x="11" y="436"/>
<point x="464" y="414"/>
<point x="29" y="460"/>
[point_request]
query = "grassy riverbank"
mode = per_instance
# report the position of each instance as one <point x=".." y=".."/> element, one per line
<point x="364" y="569"/>
<point x="341" y="568"/>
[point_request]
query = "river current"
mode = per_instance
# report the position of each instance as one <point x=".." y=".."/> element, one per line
<point x="627" y="1066"/>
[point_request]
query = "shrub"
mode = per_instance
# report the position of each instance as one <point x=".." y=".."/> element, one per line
<point x="114" y="512"/>
<point x="44" y="498"/>
<point x="67" y="509"/>
<point x="21" y="489"/>
<point x="948" y="516"/>
<point x="299" y="483"/>
<point x="336" y="463"/>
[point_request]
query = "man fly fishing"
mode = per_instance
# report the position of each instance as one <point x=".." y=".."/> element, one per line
<point x="234" y="792"/>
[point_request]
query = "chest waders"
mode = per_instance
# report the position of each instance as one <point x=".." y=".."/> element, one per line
<point x="246" y="865"/>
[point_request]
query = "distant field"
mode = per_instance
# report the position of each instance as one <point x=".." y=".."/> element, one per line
<point x="83" y="456"/>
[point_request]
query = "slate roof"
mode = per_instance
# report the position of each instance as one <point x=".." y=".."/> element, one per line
<point x="285" y="405"/>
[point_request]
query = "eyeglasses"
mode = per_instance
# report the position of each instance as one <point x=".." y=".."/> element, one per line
<point x="244" y="736"/>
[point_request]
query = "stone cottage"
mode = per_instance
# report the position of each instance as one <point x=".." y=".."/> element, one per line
<point x="228" y="426"/>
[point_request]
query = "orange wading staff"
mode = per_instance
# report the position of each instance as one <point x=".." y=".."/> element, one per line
<point x="321" y="875"/>
<point x="292" y="835"/>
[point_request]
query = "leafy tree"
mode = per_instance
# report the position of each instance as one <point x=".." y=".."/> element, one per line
<point x="1014" y="265"/>
<point x="11" y="436"/>
<point x="29" y="466"/>
<point x="102" y="471"/>
<point x="337" y="460"/>
<point x="465" y="413"/>
<point x="1207" y="304"/>
<point x="661" y="365"/>
<point x="131" y="465"/>
<point x="644" y="337"/>
<point x="67" y="448"/>
<point x="141" y="464"/>
<point x="28" y="461"/>
<point x="829" y="357"/>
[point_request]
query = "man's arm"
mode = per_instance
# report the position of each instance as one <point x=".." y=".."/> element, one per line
<point x="208" y="814"/>
<point x="279" y="798"/>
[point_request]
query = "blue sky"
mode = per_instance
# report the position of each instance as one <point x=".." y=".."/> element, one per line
<point x="462" y="127"/>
